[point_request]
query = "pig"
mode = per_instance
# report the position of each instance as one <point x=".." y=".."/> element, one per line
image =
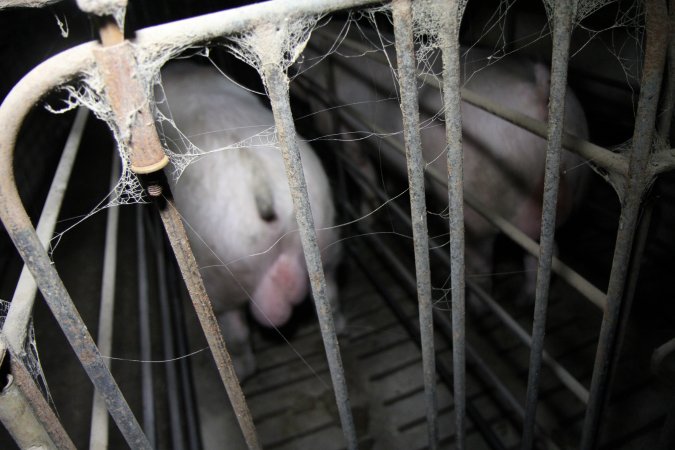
<point x="236" y="204"/>
<point x="503" y="164"/>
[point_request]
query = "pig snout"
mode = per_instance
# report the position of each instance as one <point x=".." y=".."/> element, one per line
<point x="283" y="286"/>
<point x="236" y="203"/>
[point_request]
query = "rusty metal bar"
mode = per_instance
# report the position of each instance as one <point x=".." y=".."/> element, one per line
<point x="449" y="43"/>
<point x="98" y="432"/>
<point x="193" y="280"/>
<point x="21" y="306"/>
<point x="403" y="274"/>
<point x="276" y="82"/>
<point x="16" y="412"/>
<point x="161" y="42"/>
<point x="405" y="56"/>
<point x="563" y="15"/>
<point x="638" y="180"/>
<point x="473" y="358"/>
<point x="55" y="71"/>
<point x="127" y="95"/>
<point x="583" y="286"/>
<point x="145" y="340"/>
<point x="598" y="155"/>
<point x="667" y="114"/>
<point x="25" y="3"/>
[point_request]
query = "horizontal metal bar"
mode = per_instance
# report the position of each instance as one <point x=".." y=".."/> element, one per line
<point x="404" y="275"/>
<point x="565" y="377"/>
<point x="25" y="3"/>
<point x="583" y="286"/>
<point x="161" y="42"/>
<point x="598" y="155"/>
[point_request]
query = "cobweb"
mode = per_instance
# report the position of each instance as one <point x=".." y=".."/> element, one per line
<point x="30" y="357"/>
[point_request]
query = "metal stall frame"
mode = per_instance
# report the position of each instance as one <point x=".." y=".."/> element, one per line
<point x="117" y="60"/>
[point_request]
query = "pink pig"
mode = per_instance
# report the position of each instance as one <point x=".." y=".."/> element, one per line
<point x="236" y="204"/>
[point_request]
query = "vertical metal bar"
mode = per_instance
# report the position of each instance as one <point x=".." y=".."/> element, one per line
<point x="563" y="15"/>
<point x="638" y="180"/>
<point x="276" y="82"/>
<point x="449" y="39"/>
<point x="17" y="223"/>
<point x="26" y="241"/>
<point x="190" y="271"/>
<point x="176" y="308"/>
<point x="147" y="385"/>
<point x="405" y="57"/>
<point x="168" y="343"/>
<point x="21" y="307"/>
<point x="98" y="433"/>
<point x="667" y="114"/>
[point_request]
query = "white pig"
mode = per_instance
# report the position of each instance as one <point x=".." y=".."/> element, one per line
<point x="503" y="164"/>
<point x="237" y="207"/>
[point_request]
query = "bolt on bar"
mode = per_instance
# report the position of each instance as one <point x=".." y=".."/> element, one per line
<point x="638" y="180"/>
<point x="276" y="82"/>
<point x="563" y="15"/>
<point x="405" y="56"/>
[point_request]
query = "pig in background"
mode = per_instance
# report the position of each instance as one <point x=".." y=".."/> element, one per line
<point x="237" y="207"/>
<point x="503" y="164"/>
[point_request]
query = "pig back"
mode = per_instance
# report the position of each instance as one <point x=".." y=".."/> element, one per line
<point x="234" y="197"/>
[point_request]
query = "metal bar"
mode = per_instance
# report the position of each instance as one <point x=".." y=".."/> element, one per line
<point x="98" y="433"/>
<point x="598" y="155"/>
<point x="173" y="390"/>
<point x="449" y="43"/>
<point x="276" y="82"/>
<point x="563" y="15"/>
<point x="558" y="370"/>
<point x="403" y="274"/>
<point x="162" y="42"/>
<point x="588" y="290"/>
<point x="187" y="381"/>
<point x="405" y="56"/>
<point x="667" y="114"/>
<point x="25" y="3"/>
<point x="147" y="385"/>
<point x="18" y="102"/>
<point x="190" y="271"/>
<point x="16" y="413"/>
<point x="21" y="307"/>
<point x="638" y="180"/>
